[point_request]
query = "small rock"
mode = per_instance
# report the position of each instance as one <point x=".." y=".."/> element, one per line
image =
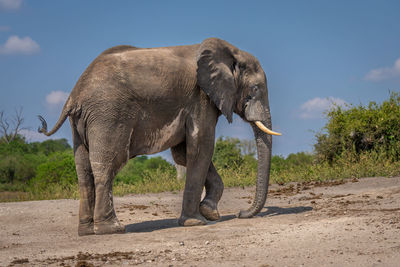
<point x="181" y="243"/>
<point x="207" y="242"/>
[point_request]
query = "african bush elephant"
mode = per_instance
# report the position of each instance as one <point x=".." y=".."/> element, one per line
<point x="132" y="101"/>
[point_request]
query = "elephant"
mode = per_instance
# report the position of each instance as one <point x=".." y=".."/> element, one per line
<point x="133" y="101"/>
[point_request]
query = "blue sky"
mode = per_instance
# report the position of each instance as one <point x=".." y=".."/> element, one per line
<point x="313" y="52"/>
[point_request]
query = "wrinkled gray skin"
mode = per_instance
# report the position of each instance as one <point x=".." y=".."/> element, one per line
<point x="133" y="101"/>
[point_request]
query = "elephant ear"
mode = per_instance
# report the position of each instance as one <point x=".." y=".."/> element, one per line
<point x="216" y="65"/>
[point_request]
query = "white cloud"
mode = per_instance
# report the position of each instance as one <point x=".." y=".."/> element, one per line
<point x="33" y="136"/>
<point x="314" y="108"/>
<point x="56" y="98"/>
<point x="380" y="74"/>
<point x="4" y="28"/>
<point x="16" y="45"/>
<point x="10" y="4"/>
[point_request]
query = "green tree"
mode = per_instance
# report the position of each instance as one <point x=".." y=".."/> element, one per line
<point x="50" y="146"/>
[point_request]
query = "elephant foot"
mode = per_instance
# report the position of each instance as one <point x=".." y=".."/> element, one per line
<point x="108" y="227"/>
<point x="86" y="229"/>
<point x="209" y="210"/>
<point x="192" y="221"/>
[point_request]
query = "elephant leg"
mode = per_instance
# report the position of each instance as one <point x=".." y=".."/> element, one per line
<point x="108" y="153"/>
<point x="199" y="149"/>
<point x="86" y="187"/>
<point x="214" y="188"/>
<point x="214" y="185"/>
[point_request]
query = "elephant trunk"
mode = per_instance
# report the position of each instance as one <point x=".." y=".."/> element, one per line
<point x="264" y="147"/>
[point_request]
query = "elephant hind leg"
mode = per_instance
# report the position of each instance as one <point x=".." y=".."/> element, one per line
<point x="108" y="153"/>
<point x="86" y="185"/>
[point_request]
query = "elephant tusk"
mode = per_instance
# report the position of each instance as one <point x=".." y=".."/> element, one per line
<point x="265" y="129"/>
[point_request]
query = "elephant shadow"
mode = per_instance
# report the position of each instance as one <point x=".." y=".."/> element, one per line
<point x="275" y="211"/>
<point x="150" y="226"/>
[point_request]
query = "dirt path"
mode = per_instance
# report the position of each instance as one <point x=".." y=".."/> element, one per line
<point x="356" y="223"/>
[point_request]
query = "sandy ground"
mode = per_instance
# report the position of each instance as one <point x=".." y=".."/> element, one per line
<point x="355" y="223"/>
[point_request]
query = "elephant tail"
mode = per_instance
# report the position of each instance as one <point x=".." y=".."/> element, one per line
<point x="63" y="116"/>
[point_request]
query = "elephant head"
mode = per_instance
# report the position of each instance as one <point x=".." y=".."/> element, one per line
<point x="234" y="80"/>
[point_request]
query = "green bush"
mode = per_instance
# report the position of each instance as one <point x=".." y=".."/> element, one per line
<point x="227" y="153"/>
<point x="58" y="171"/>
<point x="18" y="168"/>
<point x="144" y="175"/>
<point x="17" y="162"/>
<point x="359" y="129"/>
<point x="17" y="145"/>
<point x="139" y="169"/>
<point x="279" y="163"/>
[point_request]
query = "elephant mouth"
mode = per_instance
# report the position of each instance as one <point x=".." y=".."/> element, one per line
<point x="265" y="129"/>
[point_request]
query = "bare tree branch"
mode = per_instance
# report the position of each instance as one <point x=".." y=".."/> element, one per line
<point x="4" y="125"/>
<point x="18" y="121"/>
<point x="10" y="134"/>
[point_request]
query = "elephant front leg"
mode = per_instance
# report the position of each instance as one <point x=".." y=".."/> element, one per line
<point x="214" y="188"/>
<point x="214" y="185"/>
<point x="195" y="178"/>
<point x="198" y="159"/>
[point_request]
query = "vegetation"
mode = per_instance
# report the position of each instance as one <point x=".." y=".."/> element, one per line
<point x="43" y="169"/>
<point x="357" y="141"/>
<point x="358" y="130"/>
